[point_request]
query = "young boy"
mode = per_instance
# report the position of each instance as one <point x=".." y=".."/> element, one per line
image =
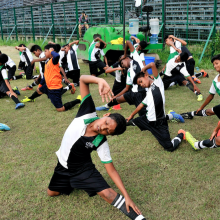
<point x="175" y="72"/>
<point x="52" y="82"/>
<point x="5" y="86"/>
<point x="72" y="62"/>
<point x="155" y="120"/>
<point x="139" y="47"/>
<point x="37" y="51"/>
<point x="26" y="57"/>
<point x="95" y="50"/>
<point x="11" y="67"/>
<point x="85" y="134"/>
<point x="215" y="88"/>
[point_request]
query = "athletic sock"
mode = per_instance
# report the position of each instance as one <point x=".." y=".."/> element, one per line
<point x="15" y="99"/>
<point x="66" y="89"/>
<point x="176" y="141"/>
<point x="200" y="113"/>
<point x="34" y="95"/>
<point x="169" y="117"/>
<point x="206" y="144"/>
<point x="119" y="203"/>
<point x="190" y="86"/>
<point x="172" y="84"/>
<point x="69" y="105"/>
<point x="199" y="74"/>
<point x="63" y="80"/>
<point x="110" y="104"/>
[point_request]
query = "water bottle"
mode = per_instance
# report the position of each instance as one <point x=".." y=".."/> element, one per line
<point x="154" y="39"/>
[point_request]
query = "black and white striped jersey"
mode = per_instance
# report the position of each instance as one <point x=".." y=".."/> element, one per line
<point x="155" y="100"/>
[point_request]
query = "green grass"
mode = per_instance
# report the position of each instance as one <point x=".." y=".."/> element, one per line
<point x="179" y="185"/>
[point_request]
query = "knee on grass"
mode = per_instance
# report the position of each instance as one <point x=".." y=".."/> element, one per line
<point x="108" y="195"/>
<point x="52" y="193"/>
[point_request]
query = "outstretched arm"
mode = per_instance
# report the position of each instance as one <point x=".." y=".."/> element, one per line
<point x="170" y="43"/>
<point x="140" y="106"/>
<point x="112" y="172"/>
<point x="38" y="60"/>
<point x="110" y="69"/>
<point x="206" y="102"/>
<point x="183" y="42"/>
<point x="99" y="39"/>
<point x="214" y="133"/>
<point x="20" y="48"/>
<point x="104" y="89"/>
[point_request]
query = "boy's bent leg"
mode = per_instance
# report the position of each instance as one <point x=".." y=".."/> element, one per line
<point x="118" y="201"/>
<point x="205" y="112"/>
<point x="29" y="72"/>
<point x="214" y="143"/>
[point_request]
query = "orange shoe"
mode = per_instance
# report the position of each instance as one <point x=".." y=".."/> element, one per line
<point x="205" y="74"/>
<point x="196" y="80"/>
<point x="73" y="90"/>
<point x="26" y="88"/>
<point x="21" y="73"/>
<point x="183" y="132"/>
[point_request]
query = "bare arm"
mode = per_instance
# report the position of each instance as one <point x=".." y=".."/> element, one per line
<point x="126" y="89"/>
<point x="104" y="89"/>
<point x="74" y="42"/>
<point x="194" y="85"/>
<point x="64" y="74"/>
<point x="130" y="46"/>
<point x="170" y="43"/>
<point x="10" y="89"/>
<point x="136" y="39"/>
<point x="110" y="69"/>
<point x="99" y="39"/>
<point x="140" y="106"/>
<point x="38" y="60"/>
<point x="112" y="172"/>
<point x="215" y="131"/>
<point x="206" y="102"/>
<point x="20" y="48"/>
<point x="153" y="67"/>
<point x="183" y="42"/>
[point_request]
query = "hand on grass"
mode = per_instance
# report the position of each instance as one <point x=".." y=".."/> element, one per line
<point x="130" y="203"/>
<point x="105" y="90"/>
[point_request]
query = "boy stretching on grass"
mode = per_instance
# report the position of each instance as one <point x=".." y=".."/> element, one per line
<point x="155" y="120"/>
<point x="52" y="82"/>
<point x="215" y="88"/>
<point x="5" y="87"/>
<point x="85" y="134"/>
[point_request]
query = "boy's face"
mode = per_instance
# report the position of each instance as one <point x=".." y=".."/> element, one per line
<point x="37" y="53"/>
<point x="168" y="40"/>
<point x="105" y="126"/>
<point x="47" y="53"/>
<point x="125" y="63"/>
<point x="216" y="65"/>
<point x="144" y="82"/>
<point x="66" y="49"/>
<point x="138" y="48"/>
<point x="178" y="59"/>
<point x="97" y="45"/>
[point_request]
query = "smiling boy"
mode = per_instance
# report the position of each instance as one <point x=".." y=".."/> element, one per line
<point x="85" y="134"/>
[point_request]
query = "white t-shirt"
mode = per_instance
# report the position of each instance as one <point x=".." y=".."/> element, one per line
<point x="10" y="63"/>
<point x="172" y="66"/>
<point x="141" y="54"/>
<point x="155" y="100"/>
<point x="70" y="61"/>
<point x="137" y="3"/>
<point x="177" y="45"/>
<point x="94" y="53"/>
<point x="4" y="74"/>
<point x="41" y="68"/>
<point x="215" y="87"/>
<point x="23" y="59"/>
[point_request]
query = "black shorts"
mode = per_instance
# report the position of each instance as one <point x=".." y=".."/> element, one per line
<point x="190" y="65"/>
<point x="3" y="87"/>
<point x="135" y="98"/>
<point x="94" y="65"/>
<point x="159" y="129"/>
<point x="29" y="71"/>
<point x="11" y="72"/>
<point x="74" y="75"/>
<point x="118" y="87"/>
<point x="54" y="95"/>
<point x="179" y="78"/>
<point x="90" y="181"/>
<point x="216" y="109"/>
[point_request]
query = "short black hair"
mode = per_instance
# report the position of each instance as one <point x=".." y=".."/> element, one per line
<point x="137" y="76"/>
<point x="102" y="45"/>
<point x="121" y="123"/>
<point x="35" y="48"/>
<point x="216" y="57"/>
<point x="143" y="44"/>
<point x="83" y="12"/>
<point x="3" y="58"/>
<point x="20" y="45"/>
<point x="166" y="37"/>
<point x="184" y="56"/>
<point x="56" y="47"/>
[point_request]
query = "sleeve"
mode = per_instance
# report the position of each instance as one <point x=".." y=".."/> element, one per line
<point x="129" y="80"/>
<point x="158" y="81"/>
<point x="4" y="74"/>
<point x="136" y="57"/>
<point x="104" y="153"/>
<point x="212" y="89"/>
<point x="142" y="56"/>
<point x="87" y="106"/>
<point x="184" y="71"/>
<point x="102" y="53"/>
<point x="56" y="57"/>
<point x="75" y="47"/>
<point x="144" y="101"/>
<point x="178" y="44"/>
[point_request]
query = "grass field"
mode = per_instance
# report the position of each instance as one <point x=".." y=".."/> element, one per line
<point x="180" y="185"/>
